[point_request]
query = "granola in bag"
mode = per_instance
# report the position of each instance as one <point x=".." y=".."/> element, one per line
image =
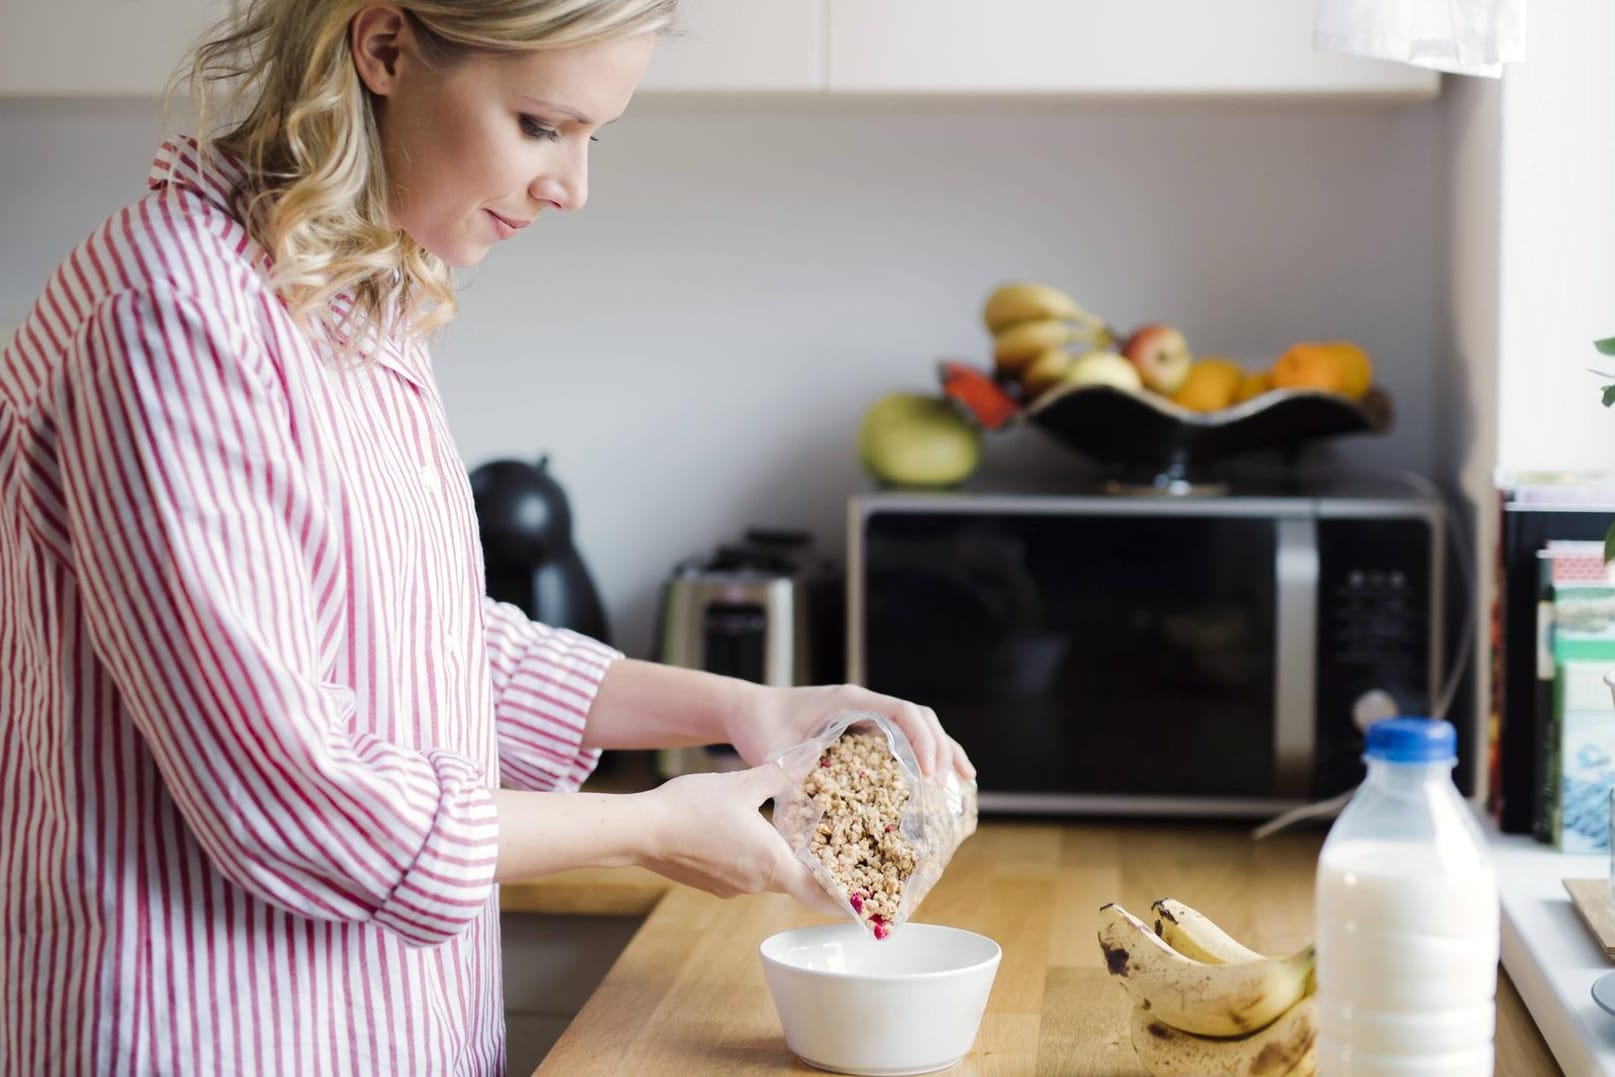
<point x="875" y="834"/>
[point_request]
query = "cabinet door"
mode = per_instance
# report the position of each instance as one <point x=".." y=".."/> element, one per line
<point x="1097" y="46"/>
<point x="99" y="47"/>
<point x="742" y="45"/>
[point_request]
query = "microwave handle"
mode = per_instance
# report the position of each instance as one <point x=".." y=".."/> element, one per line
<point x="1294" y="678"/>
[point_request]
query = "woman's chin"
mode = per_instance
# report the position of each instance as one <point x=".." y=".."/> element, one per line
<point x="459" y="252"/>
<point x="464" y="257"/>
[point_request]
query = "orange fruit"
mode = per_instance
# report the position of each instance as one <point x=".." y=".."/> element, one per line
<point x="1310" y="366"/>
<point x="1358" y="368"/>
<point x="1252" y="383"/>
<point x="1210" y="386"/>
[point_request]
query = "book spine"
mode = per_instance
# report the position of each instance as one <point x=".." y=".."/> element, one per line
<point x="1498" y="654"/>
<point x="1582" y="758"/>
<point x="1545" y="759"/>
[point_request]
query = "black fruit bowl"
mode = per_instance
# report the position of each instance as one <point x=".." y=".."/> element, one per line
<point x="1143" y="439"/>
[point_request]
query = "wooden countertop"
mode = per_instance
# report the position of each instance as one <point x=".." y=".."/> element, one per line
<point x="588" y="892"/>
<point x="687" y="996"/>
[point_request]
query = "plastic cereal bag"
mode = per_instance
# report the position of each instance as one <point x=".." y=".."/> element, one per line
<point x="875" y="834"/>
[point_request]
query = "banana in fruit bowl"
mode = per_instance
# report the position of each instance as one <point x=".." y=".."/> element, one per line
<point x="1033" y="324"/>
<point x="1017" y="346"/>
<point x="1204" y="1003"/>
<point x="1025" y="301"/>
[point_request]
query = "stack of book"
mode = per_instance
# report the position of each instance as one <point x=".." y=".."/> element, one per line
<point x="1552" y="729"/>
<point x="1576" y="651"/>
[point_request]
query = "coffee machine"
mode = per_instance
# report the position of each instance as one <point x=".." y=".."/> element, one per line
<point x="525" y="524"/>
<point x="767" y="609"/>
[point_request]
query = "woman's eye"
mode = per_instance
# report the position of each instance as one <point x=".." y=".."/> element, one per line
<point x="533" y="129"/>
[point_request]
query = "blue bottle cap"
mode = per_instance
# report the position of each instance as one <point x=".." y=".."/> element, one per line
<point x="1412" y="740"/>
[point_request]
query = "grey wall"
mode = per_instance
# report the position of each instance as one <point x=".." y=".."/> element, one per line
<point x="695" y="349"/>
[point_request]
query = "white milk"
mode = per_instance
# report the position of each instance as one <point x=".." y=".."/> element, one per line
<point x="1406" y="917"/>
<point x="1407" y="960"/>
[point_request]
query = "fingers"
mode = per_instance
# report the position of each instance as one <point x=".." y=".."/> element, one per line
<point x="960" y="761"/>
<point x="921" y="727"/>
<point x="791" y="876"/>
<point x="929" y="748"/>
<point x="934" y="750"/>
<point x="924" y="731"/>
<point x="764" y="782"/>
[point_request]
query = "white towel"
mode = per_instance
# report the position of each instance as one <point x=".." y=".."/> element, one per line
<point x="1464" y="37"/>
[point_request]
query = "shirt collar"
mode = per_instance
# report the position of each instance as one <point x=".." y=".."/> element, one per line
<point x="408" y="360"/>
<point x="216" y="176"/>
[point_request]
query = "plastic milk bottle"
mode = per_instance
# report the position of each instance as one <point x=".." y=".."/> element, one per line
<point x="1407" y="918"/>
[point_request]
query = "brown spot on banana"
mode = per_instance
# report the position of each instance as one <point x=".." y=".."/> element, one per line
<point x="1116" y="958"/>
<point x="1286" y="1057"/>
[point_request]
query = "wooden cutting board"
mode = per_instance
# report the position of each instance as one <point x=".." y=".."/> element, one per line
<point x="1592" y="901"/>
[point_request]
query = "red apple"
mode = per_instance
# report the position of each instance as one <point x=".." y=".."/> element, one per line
<point x="1162" y="357"/>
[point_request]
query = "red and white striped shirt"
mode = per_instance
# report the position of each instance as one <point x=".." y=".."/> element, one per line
<point x="253" y="700"/>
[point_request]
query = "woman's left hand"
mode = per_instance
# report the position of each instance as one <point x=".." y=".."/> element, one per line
<point x="776" y="718"/>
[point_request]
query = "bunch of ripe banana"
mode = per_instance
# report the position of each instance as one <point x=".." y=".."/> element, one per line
<point x="1203" y="1004"/>
<point x="1038" y="332"/>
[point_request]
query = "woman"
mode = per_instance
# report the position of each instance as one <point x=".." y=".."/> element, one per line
<point x="256" y="710"/>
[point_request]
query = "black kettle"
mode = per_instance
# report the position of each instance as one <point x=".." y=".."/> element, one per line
<point x="525" y="523"/>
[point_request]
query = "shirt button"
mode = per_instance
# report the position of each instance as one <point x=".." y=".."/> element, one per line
<point x="429" y="479"/>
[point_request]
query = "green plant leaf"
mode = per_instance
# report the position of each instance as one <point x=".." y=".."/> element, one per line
<point x="1609" y="544"/>
<point x="1609" y="396"/>
<point x="1606" y="346"/>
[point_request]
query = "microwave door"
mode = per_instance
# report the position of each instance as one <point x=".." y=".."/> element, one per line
<point x="1128" y="655"/>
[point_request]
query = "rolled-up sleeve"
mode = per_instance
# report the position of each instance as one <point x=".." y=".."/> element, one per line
<point x="544" y="681"/>
<point x="200" y="550"/>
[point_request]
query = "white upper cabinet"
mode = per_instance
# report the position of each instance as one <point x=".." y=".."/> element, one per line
<point x="1132" y="47"/>
<point x="118" y="48"/>
<point x="1076" y="47"/>
<point x="740" y="45"/>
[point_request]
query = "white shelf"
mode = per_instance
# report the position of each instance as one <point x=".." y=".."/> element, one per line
<point x="1549" y="953"/>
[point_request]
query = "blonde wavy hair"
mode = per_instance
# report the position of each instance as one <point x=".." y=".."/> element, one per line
<point x="279" y="82"/>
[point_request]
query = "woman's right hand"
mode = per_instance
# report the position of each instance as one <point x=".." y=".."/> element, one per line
<point x="706" y="832"/>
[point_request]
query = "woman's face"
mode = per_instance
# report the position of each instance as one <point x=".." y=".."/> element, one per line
<point x="476" y="150"/>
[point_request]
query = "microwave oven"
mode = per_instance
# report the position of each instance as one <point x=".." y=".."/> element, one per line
<point x="1105" y="654"/>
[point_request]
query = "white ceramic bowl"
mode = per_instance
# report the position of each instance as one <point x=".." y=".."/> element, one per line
<point x="908" y="1003"/>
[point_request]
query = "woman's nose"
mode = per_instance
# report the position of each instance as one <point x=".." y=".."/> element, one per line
<point x="567" y="185"/>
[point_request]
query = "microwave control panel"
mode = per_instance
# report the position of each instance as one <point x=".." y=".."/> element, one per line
<point x="1378" y="594"/>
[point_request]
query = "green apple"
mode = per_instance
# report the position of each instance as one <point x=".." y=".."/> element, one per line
<point x="909" y="439"/>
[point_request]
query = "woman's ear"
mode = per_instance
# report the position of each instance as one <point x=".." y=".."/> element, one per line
<point x="377" y="36"/>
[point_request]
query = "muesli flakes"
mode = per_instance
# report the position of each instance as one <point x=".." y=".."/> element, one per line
<point x="859" y="839"/>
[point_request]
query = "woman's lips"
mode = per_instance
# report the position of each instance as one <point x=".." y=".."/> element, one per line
<point x="505" y="226"/>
